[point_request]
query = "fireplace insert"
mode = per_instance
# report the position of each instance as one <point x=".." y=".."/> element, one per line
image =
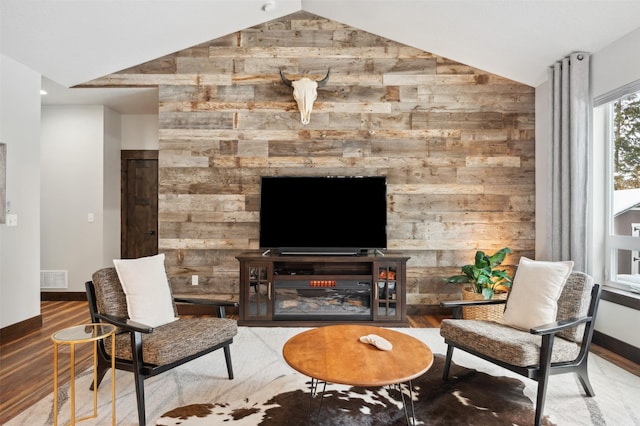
<point x="322" y="299"/>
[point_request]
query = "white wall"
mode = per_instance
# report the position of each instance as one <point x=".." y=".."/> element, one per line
<point x="619" y="322"/>
<point x="20" y="245"/>
<point x="612" y="67"/>
<point x="616" y="65"/>
<point x="80" y="177"/>
<point x="111" y="187"/>
<point x="140" y="132"/>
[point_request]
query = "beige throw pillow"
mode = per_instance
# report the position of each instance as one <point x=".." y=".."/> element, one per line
<point x="146" y="287"/>
<point x="533" y="299"/>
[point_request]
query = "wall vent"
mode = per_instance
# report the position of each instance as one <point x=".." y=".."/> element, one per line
<point x="53" y="279"/>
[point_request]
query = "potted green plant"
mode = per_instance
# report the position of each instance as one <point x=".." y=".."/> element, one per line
<point x="483" y="275"/>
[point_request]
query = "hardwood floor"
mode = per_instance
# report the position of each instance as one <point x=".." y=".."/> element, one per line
<point x="26" y="364"/>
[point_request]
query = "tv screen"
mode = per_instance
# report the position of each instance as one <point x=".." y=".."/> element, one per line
<point x="341" y="215"/>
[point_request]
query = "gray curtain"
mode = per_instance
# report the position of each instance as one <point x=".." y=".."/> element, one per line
<point x="571" y="113"/>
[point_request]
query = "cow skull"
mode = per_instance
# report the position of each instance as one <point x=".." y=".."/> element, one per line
<point x="305" y="93"/>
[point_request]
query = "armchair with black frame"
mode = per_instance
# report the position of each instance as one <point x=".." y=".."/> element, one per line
<point x="148" y="351"/>
<point x="537" y="351"/>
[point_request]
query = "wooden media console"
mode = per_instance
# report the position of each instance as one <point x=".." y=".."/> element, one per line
<point x="310" y="289"/>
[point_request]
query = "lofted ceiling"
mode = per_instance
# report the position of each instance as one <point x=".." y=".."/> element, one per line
<point x="71" y="42"/>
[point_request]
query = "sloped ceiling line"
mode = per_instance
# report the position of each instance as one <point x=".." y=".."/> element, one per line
<point x="72" y="42"/>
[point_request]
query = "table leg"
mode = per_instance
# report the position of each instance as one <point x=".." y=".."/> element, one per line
<point x="312" y="395"/>
<point x="410" y="420"/>
<point x="55" y="384"/>
<point x="72" y="369"/>
<point x="95" y="378"/>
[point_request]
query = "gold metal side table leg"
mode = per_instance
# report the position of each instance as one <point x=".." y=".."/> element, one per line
<point x="72" y="382"/>
<point x="83" y="334"/>
<point x="95" y="378"/>
<point x="55" y="384"/>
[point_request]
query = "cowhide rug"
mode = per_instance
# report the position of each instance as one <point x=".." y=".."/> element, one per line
<point x="267" y="391"/>
<point x="469" y="397"/>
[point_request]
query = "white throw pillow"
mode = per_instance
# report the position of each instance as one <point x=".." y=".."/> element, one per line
<point x="146" y="287"/>
<point x="533" y="299"/>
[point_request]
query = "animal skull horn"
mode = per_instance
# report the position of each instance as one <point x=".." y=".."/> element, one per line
<point x="305" y="93"/>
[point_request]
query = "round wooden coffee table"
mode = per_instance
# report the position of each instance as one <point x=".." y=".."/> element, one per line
<point x="334" y="354"/>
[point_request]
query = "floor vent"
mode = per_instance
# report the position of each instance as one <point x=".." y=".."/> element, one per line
<point x="53" y="279"/>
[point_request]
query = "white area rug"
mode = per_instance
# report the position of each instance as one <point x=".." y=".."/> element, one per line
<point x="261" y="372"/>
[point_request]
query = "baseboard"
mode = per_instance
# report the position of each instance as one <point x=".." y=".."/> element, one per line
<point x="20" y="329"/>
<point x="63" y="296"/>
<point x="616" y="346"/>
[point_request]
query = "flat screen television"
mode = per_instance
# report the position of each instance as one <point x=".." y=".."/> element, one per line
<point x="323" y="214"/>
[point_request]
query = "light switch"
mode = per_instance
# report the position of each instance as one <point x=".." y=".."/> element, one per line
<point x="90" y="218"/>
<point x="12" y="220"/>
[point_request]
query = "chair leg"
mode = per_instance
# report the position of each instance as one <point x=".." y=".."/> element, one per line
<point x="583" y="375"/>
<point x="545" y="362"/>
<point x="227" y="357"/>
<point x="447" y="363"/>
<point x="103" y="367"/>
<point x="136" y="350"/>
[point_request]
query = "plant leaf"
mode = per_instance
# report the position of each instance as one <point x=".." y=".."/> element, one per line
<point x="498" y="257"/>
<point x="482" y="261"/>
<point x="487" y="293"/>
<point x="503" y="275"/>
<point x="458" y="279"/>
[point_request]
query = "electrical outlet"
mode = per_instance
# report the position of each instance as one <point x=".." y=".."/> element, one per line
<point x="194" y="280"/>
<point x="12" y="219"/>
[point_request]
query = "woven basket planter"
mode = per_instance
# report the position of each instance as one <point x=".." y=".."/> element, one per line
<point x="490" y="312"/>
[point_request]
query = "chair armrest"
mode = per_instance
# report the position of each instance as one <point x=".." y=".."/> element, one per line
<point x="557" y="326"/>
<point x="213" y="302"/>
<point x="125" y="323"/>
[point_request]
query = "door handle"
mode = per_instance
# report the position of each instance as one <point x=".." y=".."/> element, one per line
<point x="150" y="232"/>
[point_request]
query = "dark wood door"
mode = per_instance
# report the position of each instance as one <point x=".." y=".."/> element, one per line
<point x="139" y="204"/>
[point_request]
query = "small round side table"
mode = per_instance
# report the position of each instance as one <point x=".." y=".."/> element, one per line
<point x="83" y="334"/>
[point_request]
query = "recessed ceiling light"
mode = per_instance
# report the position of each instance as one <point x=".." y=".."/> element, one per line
<point x="43" y="92"/>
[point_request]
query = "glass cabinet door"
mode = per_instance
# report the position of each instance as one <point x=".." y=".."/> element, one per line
<point x="386" y="294"/>
<point x="258" y="303"/>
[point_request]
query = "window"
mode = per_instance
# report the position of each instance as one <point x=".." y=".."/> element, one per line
<point x="620" y="114"/>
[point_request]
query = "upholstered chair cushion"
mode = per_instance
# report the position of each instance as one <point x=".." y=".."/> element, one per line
<point x="110" y="298"/>
<point x="177" y="340"/>
<point x="574" y="303"/>
<point x="533" y="299"/>
<point x="170" y="342"/>
<point x="505" y="343"/>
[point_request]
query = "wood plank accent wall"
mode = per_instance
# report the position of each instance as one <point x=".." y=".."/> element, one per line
<point x="456" y="143"/>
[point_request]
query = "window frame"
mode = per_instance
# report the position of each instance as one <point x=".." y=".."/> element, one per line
<point x="613" y="243"/>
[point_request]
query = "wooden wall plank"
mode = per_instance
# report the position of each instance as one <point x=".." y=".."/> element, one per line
<point x="457" y="146"/>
